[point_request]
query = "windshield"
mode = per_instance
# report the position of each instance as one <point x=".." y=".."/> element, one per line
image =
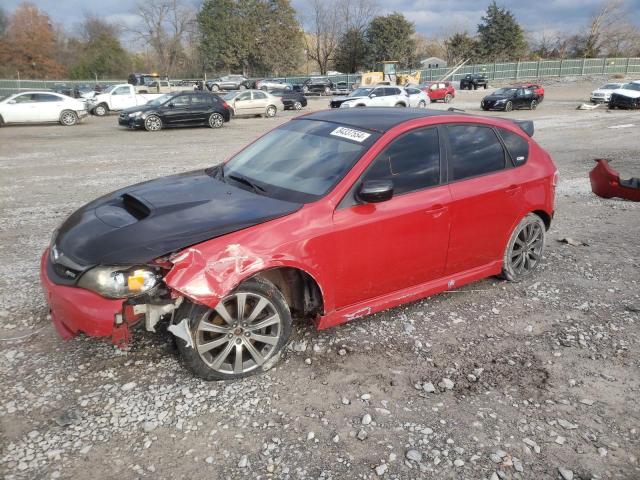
<point x="360" y="92"/>
<point x="632" y="86"/>
<point x="109" y="89"/>
<point x="160" y="100"/>
<point x="505" y="91"/>
<point x="299" y="161"/>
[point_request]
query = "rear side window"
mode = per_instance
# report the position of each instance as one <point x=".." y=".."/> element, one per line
<point x="474" y="151"/>
<point x="411" y="162"/>
<point x="44" y="97"/>
<point x="517" y="147"/>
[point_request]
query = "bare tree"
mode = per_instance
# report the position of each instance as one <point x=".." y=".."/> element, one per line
<point x="325" y="28"/>
<point x="357" y="14"/>
<point x="164" y="27"/>
<point x="603" y="22"/>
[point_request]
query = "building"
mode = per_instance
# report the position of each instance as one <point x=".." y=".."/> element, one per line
<point x="433" y="62"/>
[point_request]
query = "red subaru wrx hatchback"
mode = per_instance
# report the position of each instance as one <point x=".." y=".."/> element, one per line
<point x="331" y="216"/>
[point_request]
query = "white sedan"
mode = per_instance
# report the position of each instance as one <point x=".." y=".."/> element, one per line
<point x="603" y="94"/>
<point x="37" y="107"/>
<point x="417" y="98"/>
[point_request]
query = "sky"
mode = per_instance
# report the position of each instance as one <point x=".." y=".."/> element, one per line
<point x="431" y="17"/>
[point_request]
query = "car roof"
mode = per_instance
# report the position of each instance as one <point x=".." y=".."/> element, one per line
<point x="378" y="119"/>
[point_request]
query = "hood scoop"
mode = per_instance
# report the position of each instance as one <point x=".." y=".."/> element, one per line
<point x="123" y="211"/>
<point x="135" y="206"/>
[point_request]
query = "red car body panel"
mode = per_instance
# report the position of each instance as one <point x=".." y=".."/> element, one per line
<point x="445" y="237"/>
<point x="606" y="183"/>
<point x="439" y="93"/>
<point x="75" y="310"/>
<point x="537" y="89"/>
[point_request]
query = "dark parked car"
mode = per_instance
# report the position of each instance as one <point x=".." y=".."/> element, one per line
<point x="329" y="217"/>
<point x="510" y="98"/>
<point x="177" y="109"/>
<point x="626" y="97"/>
<point x="320" y="85"/>
<point x="472" y="81"/>
<point x="228" y="82"/>
<point x="290" y="99"/>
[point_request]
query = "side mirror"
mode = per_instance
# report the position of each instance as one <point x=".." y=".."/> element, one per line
<point x="373" y="95"/>
<point x="171" y="105"/>
<point x="375" y="191"/>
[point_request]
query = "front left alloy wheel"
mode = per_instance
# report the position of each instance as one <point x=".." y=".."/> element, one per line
<point x="153" y="123"/>
<point x="244" y="335"/>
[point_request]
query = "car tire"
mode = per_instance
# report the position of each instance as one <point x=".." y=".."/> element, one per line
<point x="215" y="88"/>
<point x="101" y="110"/>
<point x="508" y="106"/>
<point x="216" y="120"/>
<point x="1" y="121"/>
<point x="475" y="87"/>
<point x="242" y="87"/>
<point x="422" y="104"/>
<point x="525" y="248"/>
<point x="153" y="123"/>
<point x="68" y="118"/>
<point x="533" y="105"/>
<point x="486" y="85"/>
<point x="297" y="105"/>
<point x="257" y="352"/>
<point x="400" y="104"/>
<point x="327" y="91"/>
<point x="447" y="98"/>
<point x="271" y="111"/>
<point x="305" y="89"/>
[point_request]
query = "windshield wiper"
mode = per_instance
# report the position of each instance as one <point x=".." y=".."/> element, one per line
<point x="249" y="183"/>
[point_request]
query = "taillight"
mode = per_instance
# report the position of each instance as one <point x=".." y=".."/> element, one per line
<point x="225" y="104"/>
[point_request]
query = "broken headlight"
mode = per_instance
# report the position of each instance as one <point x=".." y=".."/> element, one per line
<point x="119" y="282"/>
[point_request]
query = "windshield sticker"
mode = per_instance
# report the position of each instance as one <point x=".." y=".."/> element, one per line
<point x="350" y="134"/>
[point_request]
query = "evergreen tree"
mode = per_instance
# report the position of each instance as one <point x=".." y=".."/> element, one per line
<point x="500" y="37"/>
<point x="351" y="55"/>
<point x="460" y="47"/>
<point x="390" y="37"/>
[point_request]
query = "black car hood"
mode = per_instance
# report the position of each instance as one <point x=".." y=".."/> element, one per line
<point x="494" y="97"/>
<point x="145" y="221"/>
<point x="139" y="108"/>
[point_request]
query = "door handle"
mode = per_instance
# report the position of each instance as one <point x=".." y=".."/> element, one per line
<point x="436" y="210"/>
<point x="513" y="189"/>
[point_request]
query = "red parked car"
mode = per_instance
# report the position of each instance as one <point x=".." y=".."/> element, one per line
<point x="439" y="91"/>
<point x="537" y="89"/>
<point x="332" y="216"/>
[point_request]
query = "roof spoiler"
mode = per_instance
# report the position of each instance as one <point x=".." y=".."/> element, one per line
<point x="526" y="126"/>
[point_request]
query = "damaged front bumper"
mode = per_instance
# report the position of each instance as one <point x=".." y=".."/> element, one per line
<point x="606" y="183"/>
<point x="76" y="310"/>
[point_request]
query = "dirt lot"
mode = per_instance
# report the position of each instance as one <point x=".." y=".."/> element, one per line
<point x="544" y="375"/>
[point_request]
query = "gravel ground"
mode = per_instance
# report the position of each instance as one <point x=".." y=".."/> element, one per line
<point x="536" y="380"/>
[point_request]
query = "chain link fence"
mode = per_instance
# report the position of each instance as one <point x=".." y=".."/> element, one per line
<point x="494" y="71"/>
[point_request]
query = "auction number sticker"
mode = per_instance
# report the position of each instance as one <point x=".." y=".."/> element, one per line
<point x="350" y="134"/>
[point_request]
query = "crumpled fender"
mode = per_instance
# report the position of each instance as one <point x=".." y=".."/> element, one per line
<point x="207" y="280"/>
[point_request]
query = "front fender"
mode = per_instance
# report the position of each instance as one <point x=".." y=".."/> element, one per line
<point x="207" y="280"/>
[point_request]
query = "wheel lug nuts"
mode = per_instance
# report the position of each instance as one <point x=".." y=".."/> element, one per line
<point x="247" y="334"/>
<point x="230" y="335"/>
<point x="238" y="341"/>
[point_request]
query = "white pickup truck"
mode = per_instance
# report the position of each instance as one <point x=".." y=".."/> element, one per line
<point x="118" y="97"/>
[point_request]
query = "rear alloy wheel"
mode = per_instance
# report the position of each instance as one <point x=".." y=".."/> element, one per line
<point x="271" y="111"/>
<point x="215" y="88"/>
<point x="68" y="118"/>
<point x="327" y="91"/>
<point x="525" y="248"/>
<point x="533" y="105"/>
<point x="447" y="98"/>
<point x="243" y="335"/>
<point x="101" y="110"/>
<point x="216" y="120"/>
<point x="422" y="104"/>
<point x="153" y="123"/>
<point x="297" y="105"/>
<point x="508" y="107"/>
